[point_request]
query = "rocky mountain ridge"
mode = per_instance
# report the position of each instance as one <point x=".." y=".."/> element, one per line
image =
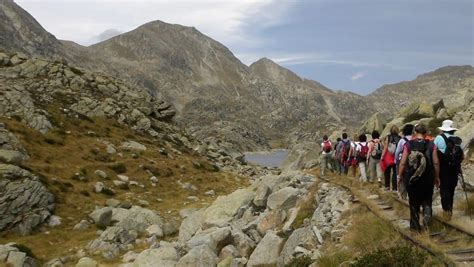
<point x="216" y="95"/>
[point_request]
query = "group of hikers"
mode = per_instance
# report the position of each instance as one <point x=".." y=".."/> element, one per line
<point x="411" y="162"/>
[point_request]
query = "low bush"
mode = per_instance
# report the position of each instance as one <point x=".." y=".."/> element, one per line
<point x="400" y="256"/>
<point x="118" y="167"/>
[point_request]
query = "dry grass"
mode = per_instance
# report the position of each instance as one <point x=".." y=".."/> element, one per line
<point x="75" y="148"/>
<point x="306" y="206"/>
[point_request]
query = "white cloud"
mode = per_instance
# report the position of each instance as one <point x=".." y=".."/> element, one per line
<point x="224" y="21"/>
<point x="358" y="75"/>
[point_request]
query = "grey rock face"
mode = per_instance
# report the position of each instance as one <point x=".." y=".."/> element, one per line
<point x="261" y="196"/>
<point x="25" y="202"/>
<point x="224" y="208"/>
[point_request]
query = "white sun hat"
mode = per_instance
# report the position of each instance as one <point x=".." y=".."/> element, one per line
<point x="447" y="126"/>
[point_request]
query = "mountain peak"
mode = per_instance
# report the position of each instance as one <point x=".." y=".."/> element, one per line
<point x="270" y="70"/>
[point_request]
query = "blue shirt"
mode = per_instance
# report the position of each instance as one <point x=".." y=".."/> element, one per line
<point x="440" y="143"/>
<point x="400" y="145"/>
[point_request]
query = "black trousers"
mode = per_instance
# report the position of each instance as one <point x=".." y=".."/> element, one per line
<point x="420" y="195"/>
<point x="393" y="171"/>
<point x="449" y="181"/>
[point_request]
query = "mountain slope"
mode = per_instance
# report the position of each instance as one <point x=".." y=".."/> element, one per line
<point x="449" y="83"/>
<point x="20" y="32"/>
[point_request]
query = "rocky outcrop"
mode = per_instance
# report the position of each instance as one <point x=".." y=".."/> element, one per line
<point x="11" y="255"/>
<point x="25" y="83"/>
<point x="122" y="228"/>
<point x="25" y="202"/>
<point x="375" y="122"/>
<point x="302" y="156"/>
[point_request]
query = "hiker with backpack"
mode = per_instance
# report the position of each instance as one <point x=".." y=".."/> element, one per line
<point x="337" y="164"/>
<point x="326" y="154"/>
<point x="450" y="156"/>
<point x="343" y="149"/>
<point x="407" y="131"/>
<point x="419" y="169"/>
<point x="352" y="160"/>
<point x="373" y="160"/>
<point x="388" y="157"/>
<point x="362" y="151"/>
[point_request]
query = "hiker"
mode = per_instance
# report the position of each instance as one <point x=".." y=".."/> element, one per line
<point x="373" y="161"/>
<point x="337" y="164"/>
<point x="419" y="169"/>
<point x="407" y="131"/>
<point x="388" y="158"/>
<point x="326" y="154"/>
<point x="450" y="157"/>
<point x="362" y="151"/>
<point x="343" y="149"/>
<point x="352" y="160"/>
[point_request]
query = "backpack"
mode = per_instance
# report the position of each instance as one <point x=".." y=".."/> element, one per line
<point x="327" y="147"/>
<point x="419" y="161"/>
<point x="392" y="143"/>
<point x="453" y="155"/>
<point x="345" y="148"/>
<point x="362" y="154"/>
<point x="377" y="152"/>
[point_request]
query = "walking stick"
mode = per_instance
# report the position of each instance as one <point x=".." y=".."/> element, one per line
<point x="465" y="192"/>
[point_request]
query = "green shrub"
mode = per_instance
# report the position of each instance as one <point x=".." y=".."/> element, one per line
<point x="400" y="256"/>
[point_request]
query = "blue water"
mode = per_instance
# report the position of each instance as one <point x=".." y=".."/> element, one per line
<point x="272" y="158"/>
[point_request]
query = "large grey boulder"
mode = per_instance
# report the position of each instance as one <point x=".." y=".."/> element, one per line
<point x="284" y="199"/>
<point x="261" y="195"/>
<point x="267" y="251"/>
<point x="112" y="241"/>
<point x="224" y="208"/>
<point x="11" y="156"/>
<point x="200" y="256"/>
<point x="86" y="262"/>
<point x="164" y="256"/>
<point x="102" y="217"/>
<point x="136" y="218"/>
<point x="302" y="237"/>
<point x="244" y="244"/>
<point x="190" y="225"/>
<point x="215" y="238"/>
<point x="10" y="255"/>
<point x="375" y="122"/>
<point x="25" y="202"/>
<point x="132" y="145"/>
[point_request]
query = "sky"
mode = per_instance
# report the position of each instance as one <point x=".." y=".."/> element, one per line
<point x="353" y="45"/>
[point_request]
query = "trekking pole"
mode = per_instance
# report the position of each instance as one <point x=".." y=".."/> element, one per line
<point x="465" y="192"/>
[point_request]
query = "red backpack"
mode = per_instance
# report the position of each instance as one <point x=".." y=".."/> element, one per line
<point x="364" y="150"/>
<point x="327" y="147"/>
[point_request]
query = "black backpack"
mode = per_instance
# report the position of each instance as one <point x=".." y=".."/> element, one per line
<point x="453" y="154"/>
<point x="419" y="162"/>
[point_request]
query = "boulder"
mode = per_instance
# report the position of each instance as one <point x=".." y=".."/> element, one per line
<point x="101" y="174"/>
<point x="244" y="244"/>
<point x="261" y="195"/>
<point x="163" y="256"/>
<point x="302" y="237"/>
<point x="200" y="256"/>
<point x="190" y="225"/>
<point x="25" y="202"/>
<point x="136" y="218"/>
<point x="11" y="156"/>
<point x="132" y="145"/>
<point x="267" y="251"/>
<point x="155" y="230"/>
<point x="86" y="262"/>
<point x="271" y="221"/>
<point x="224" y="208"/>
<point x="284" y="199"/>
<point x="102" y="217"/>
<point x="214" y="238"/>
